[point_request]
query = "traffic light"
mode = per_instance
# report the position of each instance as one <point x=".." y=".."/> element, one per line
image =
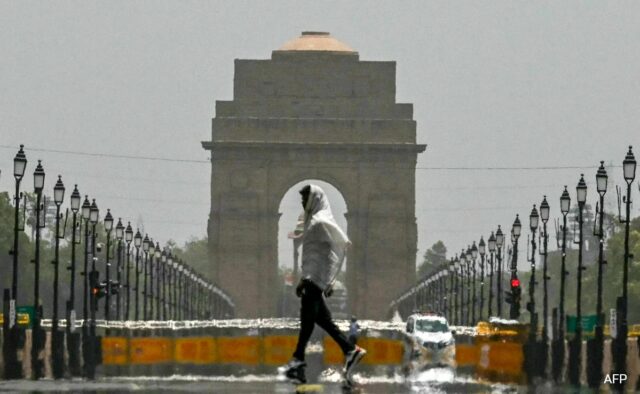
<point x="114" y="287"/>
<point x="516" y="293"/>
<point x="99" y="290"/>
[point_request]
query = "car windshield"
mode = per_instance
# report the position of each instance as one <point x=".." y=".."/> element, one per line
<point x="431" y="326"/>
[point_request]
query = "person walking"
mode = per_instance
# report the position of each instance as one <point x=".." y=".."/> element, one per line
<point x="353" y="330"/>
<point x="324" y="247"/>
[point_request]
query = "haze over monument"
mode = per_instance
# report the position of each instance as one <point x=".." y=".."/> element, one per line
<point x="313" y="111"/>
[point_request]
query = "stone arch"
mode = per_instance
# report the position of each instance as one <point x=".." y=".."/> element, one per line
<point x="317" y="114"/>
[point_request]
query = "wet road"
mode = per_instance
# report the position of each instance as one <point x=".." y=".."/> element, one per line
<point x="435" y="380"/>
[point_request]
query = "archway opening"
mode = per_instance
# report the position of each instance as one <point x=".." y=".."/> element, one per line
<point x="290" y="227"/>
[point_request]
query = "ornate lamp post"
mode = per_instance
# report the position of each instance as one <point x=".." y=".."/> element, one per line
<point x="137" y="242"/>
<point x="464" y="303"/>
<point x="128" y="237"/>
<point x="19" y="166"/>
<point x="559" y="342"/>
<point x="180" y="295"/>
<point x="499" y="276"/>
<point x="594" y="369"/>
<point x="108" y="226"/>
<point x="57" y="338"/>
<point x="544" y="351"/>
<point x="492" y="250"/>
<point x="167" y="261"/>
<point x="153" y="294"/>
<point x="153" y="268"/>
<point x="36" y="364"/>
<point x="516" y="229"/>
<point x="575" y="355"/>
<point x="452" y="291"/>
<point x="145" y="274"/>
<point x="474" y="257"/>
<point x="544" y="215"/>
<point x="482" y="249"/>
<point x="11" y="332"/>
<point x="72" y="338"/>
<point x="89" y="359"/>
<point x="119" y="238"/>
<point x="534" y="218"/>
<point x="162" y="314"/>
<point x="629" y="171"/>
<point x="85" y="213"/>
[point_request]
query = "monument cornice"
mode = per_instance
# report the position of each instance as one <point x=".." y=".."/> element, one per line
<point x="388" y="147"/>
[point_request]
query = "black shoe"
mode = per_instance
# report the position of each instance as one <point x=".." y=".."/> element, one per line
<point x="294" y="371"/>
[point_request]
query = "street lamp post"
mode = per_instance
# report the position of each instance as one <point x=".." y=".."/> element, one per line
<point x="173" y="289"/>
<point x="137" y="242"/>
<point x="145" y="274"/>
<point x="181" y="285"/>
<point x="155" y="264"/>
<point x="86" y="214"/>
<point x="11" y="332"/>
<point x="544" y="347"/>
<point x="72" y="337"/>
<point x="514" y="312"/>
<point x="544" y="215"/>
<point x="575" y="356"/>
<point x="162" y="311"/>
<point x="559" y="342"/>
<point x="57" y="337"/>
<point x="492" y="250"/>
<point x="499" y="276"/>
<point x="108" y="226"/>
<point x="19" y="166"/>
<point x="452" y="291"/>
<point x="166" y="287"/>
<point x="532" y="361"/>
<point x="595" y="351"/>
<point x="464" y="302"/>
<point x="629" y="171"/>
<point x="128" y="237"/>
<point x="90" y="353"/>
<point x="38" y="341"/>
<point x="531" y="306"/>
<point x="474" y="301"/>
<point x="482" y="250"/>
<point x="119" y="237"/>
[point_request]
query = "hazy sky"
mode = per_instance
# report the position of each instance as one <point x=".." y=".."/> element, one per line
<point x="494" y="84"/>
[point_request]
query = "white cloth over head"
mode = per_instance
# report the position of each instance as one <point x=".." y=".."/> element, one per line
<point x="324" y="244"/>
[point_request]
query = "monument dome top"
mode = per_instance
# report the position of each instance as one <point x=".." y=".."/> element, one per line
<point x="316" y="41"/>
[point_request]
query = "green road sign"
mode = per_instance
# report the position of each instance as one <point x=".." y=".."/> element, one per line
<point x="25" y="316"/>
<point x="588" y="323"/>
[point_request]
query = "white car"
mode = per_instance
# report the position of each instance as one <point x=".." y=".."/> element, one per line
<point x="431" y="340"/>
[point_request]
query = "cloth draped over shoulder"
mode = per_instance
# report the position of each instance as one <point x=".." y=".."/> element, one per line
<point x="324" y="244"/>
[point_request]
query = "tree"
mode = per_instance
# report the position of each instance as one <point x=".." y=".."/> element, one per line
<point x="195" y="252"/>
<point x="434" y="257"/>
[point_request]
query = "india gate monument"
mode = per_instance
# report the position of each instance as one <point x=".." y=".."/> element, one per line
<point x="313" y="111"/>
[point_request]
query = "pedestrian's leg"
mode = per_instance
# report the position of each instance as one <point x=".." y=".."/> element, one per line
<point x="323" y="318"/>
<point x="308" y="311"/>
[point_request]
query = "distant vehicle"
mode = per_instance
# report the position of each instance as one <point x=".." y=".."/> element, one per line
<point x="430" y="339"/>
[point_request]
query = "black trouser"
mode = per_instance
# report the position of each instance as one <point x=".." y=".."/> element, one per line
<point x="314" y="311"/>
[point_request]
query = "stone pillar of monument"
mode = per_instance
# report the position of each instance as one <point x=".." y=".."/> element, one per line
<point x="313" y="111"/>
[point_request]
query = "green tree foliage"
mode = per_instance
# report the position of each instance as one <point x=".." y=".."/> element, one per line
<point x="434" y="257"/>
<point x="195" y="253"/>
